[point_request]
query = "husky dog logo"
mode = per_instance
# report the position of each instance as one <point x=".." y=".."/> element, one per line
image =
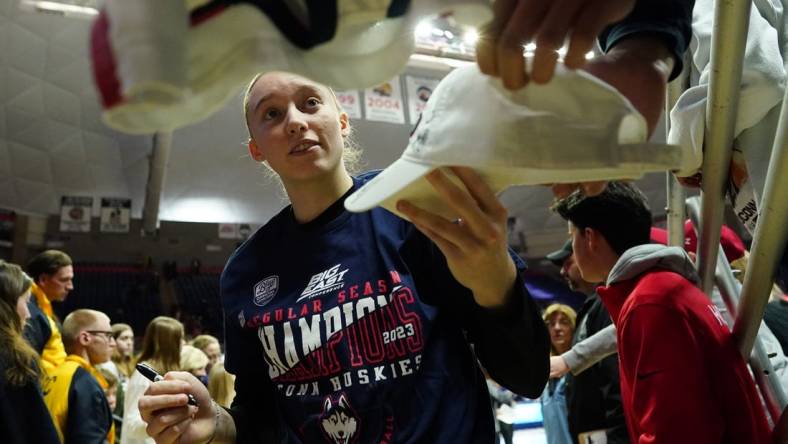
<point x="338" y="420"/>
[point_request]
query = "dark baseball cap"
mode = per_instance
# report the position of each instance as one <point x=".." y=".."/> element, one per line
<point x="559" y="256"/>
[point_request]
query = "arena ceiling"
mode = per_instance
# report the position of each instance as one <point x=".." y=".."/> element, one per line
<point x="53" y="143"/>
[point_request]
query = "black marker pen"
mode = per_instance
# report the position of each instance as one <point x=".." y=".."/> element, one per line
<point x="148" y="372"/>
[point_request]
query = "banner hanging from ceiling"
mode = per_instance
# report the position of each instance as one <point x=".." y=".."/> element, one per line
<point x="350" y="102"/>
<point x="383" y="103"/>
<point x="419" y="91"/>
<point x="75" y="212"/>
<point x="115" y="215"/>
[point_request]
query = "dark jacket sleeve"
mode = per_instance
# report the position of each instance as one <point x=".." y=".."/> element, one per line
<point x="669" y="20"/>
<point x="89" y="418"/>
<point x="24" y="417"/>
<point x="255" y="409"/>
<point x="511" y="342"/>
<point x="37" y="329"/>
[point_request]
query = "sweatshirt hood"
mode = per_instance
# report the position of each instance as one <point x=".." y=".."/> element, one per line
<point x="638" y="260"/>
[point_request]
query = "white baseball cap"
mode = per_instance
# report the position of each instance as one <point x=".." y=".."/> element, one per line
<point x="576" y="128"/>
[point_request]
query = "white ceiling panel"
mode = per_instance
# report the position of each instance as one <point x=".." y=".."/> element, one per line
<point x="52" y="142"/>
<point x="72" y="147"/>
<point x="63" y="105"/>
<point x="26" y="50"/>
<point x="106" y="183"/>
<point x="102" y="151"/>
<point x="5" y="159"/>
<point x="71" y="173"/>
<point x="21" y="85"/>
<point x="35" y="195"/>
<point x="18" y="121"/>
<point x="29" y="163"/>
<point x="58" y="59"/>
<point x="7" y="188"/>
<point x="4" y="91"/>
<point x="34" y="137"/>
<point x="57" y="133"/>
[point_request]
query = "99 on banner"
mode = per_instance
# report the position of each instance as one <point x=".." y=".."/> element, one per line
<point x="350" y="102"/>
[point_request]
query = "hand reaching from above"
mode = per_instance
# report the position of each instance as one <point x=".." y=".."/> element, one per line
<point x="548" y="23"/>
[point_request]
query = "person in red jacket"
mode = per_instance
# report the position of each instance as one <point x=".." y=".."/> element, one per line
<point x="682" y="377"/>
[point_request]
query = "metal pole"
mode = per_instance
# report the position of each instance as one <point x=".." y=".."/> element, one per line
<point x="765" y="376"/>
<point x="769" y="241"/>
<point x="675" y="210"/>
<point x="731" y="20"/>
<point x="767" y="379"/>
<point x="162" y="142"/>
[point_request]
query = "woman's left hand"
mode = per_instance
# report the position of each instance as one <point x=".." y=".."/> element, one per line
<point x="475" y="245"/>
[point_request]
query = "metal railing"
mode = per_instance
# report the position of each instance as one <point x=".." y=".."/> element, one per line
<point x="731" y="20"/>
<point x="768" y="381"/>
<point x="675" y="211"/>
<point x="769" y="240"/>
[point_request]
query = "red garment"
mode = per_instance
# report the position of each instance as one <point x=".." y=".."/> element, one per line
<point x="682" y="378"/>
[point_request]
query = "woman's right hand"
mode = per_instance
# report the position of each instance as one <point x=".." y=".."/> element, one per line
<point x="170" y="419"/>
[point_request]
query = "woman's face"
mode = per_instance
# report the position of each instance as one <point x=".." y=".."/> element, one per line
<point x="21" y="306"/>
<point x="296" y="126"/>
<point x="213" y="351"/>
<point x="561" y="331"/>
<point x="125" y="343"/>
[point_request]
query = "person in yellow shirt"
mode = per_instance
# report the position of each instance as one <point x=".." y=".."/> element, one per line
<point x="74" y="391"/>
<point x="53" y="278"/>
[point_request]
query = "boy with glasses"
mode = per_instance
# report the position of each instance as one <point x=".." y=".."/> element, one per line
<point x="74" y="391"/>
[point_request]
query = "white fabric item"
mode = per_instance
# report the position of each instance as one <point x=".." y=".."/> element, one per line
<point x="173" y="75"/>
<point x="763" y="77"/>
<point x="539" y="134"/>
<point x="133" y="431"/>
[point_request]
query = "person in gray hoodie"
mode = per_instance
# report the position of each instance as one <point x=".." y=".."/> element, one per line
<point x="682" y="377"/>
<point x="594" y="348"/>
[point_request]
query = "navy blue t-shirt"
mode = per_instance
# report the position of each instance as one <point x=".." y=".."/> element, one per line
<point x="351" y="329"/>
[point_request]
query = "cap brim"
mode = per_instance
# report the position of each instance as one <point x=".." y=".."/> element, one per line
<point x="558" y="257"/>
<point x="403" y="179"/>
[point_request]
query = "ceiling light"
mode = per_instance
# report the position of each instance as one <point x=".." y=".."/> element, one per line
<point x="423" y="29"/>
<point x="470" y="37"/>
<point x="81" y="9"/>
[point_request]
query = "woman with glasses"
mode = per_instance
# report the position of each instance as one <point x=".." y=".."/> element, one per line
<point x="161" y="349"/>
<point x="23" y="414"/>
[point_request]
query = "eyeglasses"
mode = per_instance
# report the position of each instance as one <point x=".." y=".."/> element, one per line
<point x="106" y="334"/>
